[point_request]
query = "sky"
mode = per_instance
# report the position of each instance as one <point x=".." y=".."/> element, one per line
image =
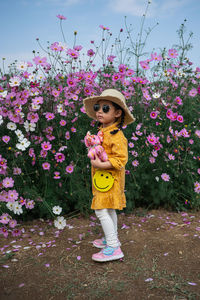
<point x="22" y="21"/>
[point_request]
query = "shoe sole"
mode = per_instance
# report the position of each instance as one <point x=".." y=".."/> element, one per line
<point x="99" y="246"/>
<point x="109" y="258"/>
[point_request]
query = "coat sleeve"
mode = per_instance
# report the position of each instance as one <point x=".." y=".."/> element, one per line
<point x="119" y="151"/>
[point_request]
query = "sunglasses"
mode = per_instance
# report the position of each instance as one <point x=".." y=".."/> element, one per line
<point x="105" y="108"/>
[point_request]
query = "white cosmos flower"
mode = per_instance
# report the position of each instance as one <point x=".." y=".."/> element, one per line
<point x="17" y="208"/>
<point x="3" y="94"/>
<point x="180" y="73"/>
<point x="40" y="77"/>
<point x="29" y="126"/>
<point x="60" y="108"/>
<point x="31" y="77"/>
<point x="22" y="65"/>
<point x="1" y="119"/>
<point x="156" y="95"/>
<point x="57" y="210"/>
<point x="23" y="144"/>
<point x="19" y="134"/>
<point x="21" y="115"/>
<point x="62" y="45"/>
<point x="14" y="81"/>
<point x="10" y="205"/>
<point x="163" y="102"/>
<point x="60" y="223"/>
<point x="11" y="126"/>
<point x="35" y="106"/>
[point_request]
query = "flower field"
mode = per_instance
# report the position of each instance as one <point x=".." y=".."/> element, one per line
<point x="44" y="169"/>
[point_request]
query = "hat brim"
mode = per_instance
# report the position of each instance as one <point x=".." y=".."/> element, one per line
<point x="90" y="101"/>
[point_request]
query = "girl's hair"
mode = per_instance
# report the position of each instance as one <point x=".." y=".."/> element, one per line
<point x="120" y="125"/>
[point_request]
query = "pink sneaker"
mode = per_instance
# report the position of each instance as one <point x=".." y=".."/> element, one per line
<point x="101" y="243"/>
<point x="108" y="254"/>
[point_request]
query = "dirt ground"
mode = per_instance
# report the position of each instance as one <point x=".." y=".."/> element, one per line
<point x="162" y="259"/>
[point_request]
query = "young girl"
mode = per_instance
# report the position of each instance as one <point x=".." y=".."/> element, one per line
<point x="108" y="177"/>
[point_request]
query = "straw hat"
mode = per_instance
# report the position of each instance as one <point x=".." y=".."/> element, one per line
<point x="111" y="95"/>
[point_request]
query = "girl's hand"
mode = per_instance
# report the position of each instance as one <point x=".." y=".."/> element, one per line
<point x="97" y="163"/>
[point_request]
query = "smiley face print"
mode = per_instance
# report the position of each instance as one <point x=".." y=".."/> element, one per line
<point x="103" y="180"/>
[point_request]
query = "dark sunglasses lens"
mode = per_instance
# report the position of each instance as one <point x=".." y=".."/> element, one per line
<point x="96" y="107"/>
<point x="106" y="108"/>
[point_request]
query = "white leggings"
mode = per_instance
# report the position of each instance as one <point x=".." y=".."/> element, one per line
<point x="108" y="219"/>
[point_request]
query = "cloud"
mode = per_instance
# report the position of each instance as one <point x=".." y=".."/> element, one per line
<point x="63" y="2"/>
<point x="157" y="8"/>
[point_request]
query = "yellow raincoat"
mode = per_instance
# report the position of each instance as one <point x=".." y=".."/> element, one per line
<point x="116" y="148"/>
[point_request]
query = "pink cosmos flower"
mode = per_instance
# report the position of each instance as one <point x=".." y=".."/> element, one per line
<point x="30" y="204"/>
<point x="156" y="57"/>
<point x="73" y="53"/>
<point x="46" y="146"/>
<point x="169" y="114"/>
<point x="4" y="196"/>
<point x="197" y="133"/>
<point x="6" y="139"/>
<point x="135" y="163"/>
<point x="180" y="119"/>
<point x="56" y="93"/>
<point x="179" y="101"/>
<point x="16" y="232"/>
<point x="171" y="157"/>
<point x="4" y="231"/>
<point x="40" y="60"/>
<point x="4" y="219"/>
<point x="115" y="77"/>
<point x="69" y="169"/>
<point x="134" y="153"/>
<point x="193" y="92"/>
<point x="152" y="139"/>
<point x="63" y="122"/>
<point x="46" y="166"/>
<point x="43" y="153"/>
<point x="152" y="160"/>
<point x="172" y="53"/>
<point x="49" y="116"/>
<point x="191" y="142"/>
<point x="56" y="175"/>
<point x="67" y="135"/>
<point x="131" y="145"/>
<point x="61" y="17"/>
<point x="17" y="171"/>
<point x="8" y="182"/>
<point x="13" y="195"/>
<point x="122" y="69"/>
<point x="111" y="58"/>
<point x="165" y="177"/>
<point x="78" y="48"/>
<point x="184" y="133"/>
<point x="12" y="223"/>
<point x="71" y="82"/>
<point x="59" y="157"/>
<point x="90" y="53"/>
<point x="73" y="129"/>
<point x="144" y="65"/>
<point x="104" y="28"/>
<point x="130" y="72"/>
<point x="153" y="115"/>
<point x="22" y="201"/>
<point x="32" y="117"/>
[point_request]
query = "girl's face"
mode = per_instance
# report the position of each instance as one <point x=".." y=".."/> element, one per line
<point x="106" y="113"/>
